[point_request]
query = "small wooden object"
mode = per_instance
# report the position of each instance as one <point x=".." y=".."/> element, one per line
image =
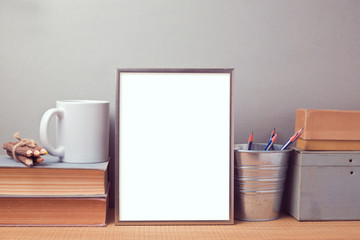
<point x="26" y="151"/>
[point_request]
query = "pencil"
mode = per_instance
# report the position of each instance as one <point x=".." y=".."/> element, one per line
<point x="250" y="141"/>
<point x="271" y="142"/>
<point x="299" y="133"/>
<point x="272" y="134"/>
<point x="43" y="151"/>
<point x="38" y="160"/>
<point x="297" y="136"/>
<point x="25" y="160"/>
<point x="290" y="141"/>
<point x="36" y="153"/>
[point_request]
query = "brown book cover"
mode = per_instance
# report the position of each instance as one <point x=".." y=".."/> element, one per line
<point x="52" y="177"/>
<point x="87" y="210"/>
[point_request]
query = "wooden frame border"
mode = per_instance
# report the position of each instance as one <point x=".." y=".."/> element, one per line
<point x="231" y="148"/>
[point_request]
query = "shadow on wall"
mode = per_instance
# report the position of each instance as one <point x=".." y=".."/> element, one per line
<point x="112" y="160"/>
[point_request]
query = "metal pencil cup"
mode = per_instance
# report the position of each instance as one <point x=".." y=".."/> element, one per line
<point x="259" y="181"/>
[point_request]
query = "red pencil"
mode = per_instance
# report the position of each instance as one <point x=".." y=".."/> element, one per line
<point x="292" y="140"/>
<point x="272" y="134"/>
<point x="271" y="143"/>
<point x="250" y="141"/>
<point x="298" y="134"/>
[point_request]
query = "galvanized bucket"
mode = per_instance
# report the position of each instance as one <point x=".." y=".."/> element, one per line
<point x="259" y="181"/>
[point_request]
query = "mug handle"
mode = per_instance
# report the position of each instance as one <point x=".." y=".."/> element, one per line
<point x="44" y="136"/>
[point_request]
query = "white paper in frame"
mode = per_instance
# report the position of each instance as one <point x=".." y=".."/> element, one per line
<point x="174" y="146"/>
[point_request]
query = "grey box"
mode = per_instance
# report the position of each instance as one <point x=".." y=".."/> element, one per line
<point x="323" y="185"/>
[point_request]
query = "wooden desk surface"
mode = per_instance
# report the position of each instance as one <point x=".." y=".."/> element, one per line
<point x="284" y="228"/>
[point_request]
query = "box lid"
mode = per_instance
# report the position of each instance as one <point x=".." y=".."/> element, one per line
<point x="325" y="158"/>
<point x="328" y="124"/>
<point x="328" y="145"/>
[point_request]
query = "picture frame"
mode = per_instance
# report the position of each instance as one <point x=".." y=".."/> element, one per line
<point x="174" y="147"/>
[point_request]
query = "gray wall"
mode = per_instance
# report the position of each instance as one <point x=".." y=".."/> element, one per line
<point x="286" y="54"/>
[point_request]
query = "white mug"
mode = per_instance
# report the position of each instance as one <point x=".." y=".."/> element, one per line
<point x="82" y="131"/>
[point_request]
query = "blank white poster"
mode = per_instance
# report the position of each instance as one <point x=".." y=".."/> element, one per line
<point x="174" y="146"/>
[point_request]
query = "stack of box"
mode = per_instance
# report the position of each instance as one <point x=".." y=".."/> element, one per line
<point x="324" y="170"/>
<point x="328" y="129"/>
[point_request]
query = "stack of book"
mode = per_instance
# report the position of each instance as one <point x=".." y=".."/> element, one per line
<point x="53" y="193"/>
